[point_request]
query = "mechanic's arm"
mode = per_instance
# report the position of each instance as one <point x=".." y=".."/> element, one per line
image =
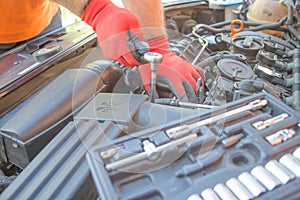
<point x="118" y="29"/>
<point x="120" y="36"/>
<point x="76" y="6"/>
<point x="150" y="14"/>
<point x="179" y="75"/>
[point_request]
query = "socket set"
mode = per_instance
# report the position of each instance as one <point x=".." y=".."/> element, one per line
<point x="260" y="180"/>
<point x="248" y="149"/>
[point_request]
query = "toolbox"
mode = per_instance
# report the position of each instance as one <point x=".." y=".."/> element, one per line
<point x="247" y="149"/>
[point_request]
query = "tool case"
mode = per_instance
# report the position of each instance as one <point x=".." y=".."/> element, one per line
<point x="247" y="149"/>
<point x="60" y="170"/>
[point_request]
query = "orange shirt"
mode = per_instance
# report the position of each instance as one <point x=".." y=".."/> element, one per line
<point x="24" y="19"/>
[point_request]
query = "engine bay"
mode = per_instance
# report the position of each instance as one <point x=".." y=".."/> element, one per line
<point x="76" y="127"/>
<point x="247" y="62"/>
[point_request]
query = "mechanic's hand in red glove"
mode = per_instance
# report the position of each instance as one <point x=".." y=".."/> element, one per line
<point x="179" y="75"/>
<point x="118" y="32"/>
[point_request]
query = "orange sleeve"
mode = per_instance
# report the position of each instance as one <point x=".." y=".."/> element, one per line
<point x="21" y="20"/>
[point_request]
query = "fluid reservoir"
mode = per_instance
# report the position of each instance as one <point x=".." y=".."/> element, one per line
<point x="267" y="11"/>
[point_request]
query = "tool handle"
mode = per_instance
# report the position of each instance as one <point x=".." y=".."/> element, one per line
<point x="236" y="30"/>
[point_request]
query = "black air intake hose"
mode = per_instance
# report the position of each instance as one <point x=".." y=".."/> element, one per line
<point x="58" y="100"/>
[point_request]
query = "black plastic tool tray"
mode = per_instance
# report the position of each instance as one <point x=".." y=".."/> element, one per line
<point x="184" y="167"/>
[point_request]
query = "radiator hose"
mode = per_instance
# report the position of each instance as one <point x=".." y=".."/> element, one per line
<point x="250" y="86"/>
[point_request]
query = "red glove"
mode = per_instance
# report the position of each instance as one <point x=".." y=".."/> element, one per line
<point x="179" y="75"/>
<point x="118" y="32"/>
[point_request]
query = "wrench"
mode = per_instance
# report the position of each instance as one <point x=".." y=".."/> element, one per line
<point x="182" y="129"/>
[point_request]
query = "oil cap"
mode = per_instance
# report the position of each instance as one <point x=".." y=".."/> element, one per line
<point x="234" y="70"/>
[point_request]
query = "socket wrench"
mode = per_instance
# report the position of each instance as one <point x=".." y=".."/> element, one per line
<point x="153" y="58"/>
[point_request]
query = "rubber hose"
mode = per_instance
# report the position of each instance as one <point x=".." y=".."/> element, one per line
<point x="251" y="86"/>
<point x="258" y="26"/>
<point x="289" y="7"/>
<point x="271" y="90"/>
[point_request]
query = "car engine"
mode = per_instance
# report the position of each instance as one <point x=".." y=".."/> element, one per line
<point x="73" y="126"/>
